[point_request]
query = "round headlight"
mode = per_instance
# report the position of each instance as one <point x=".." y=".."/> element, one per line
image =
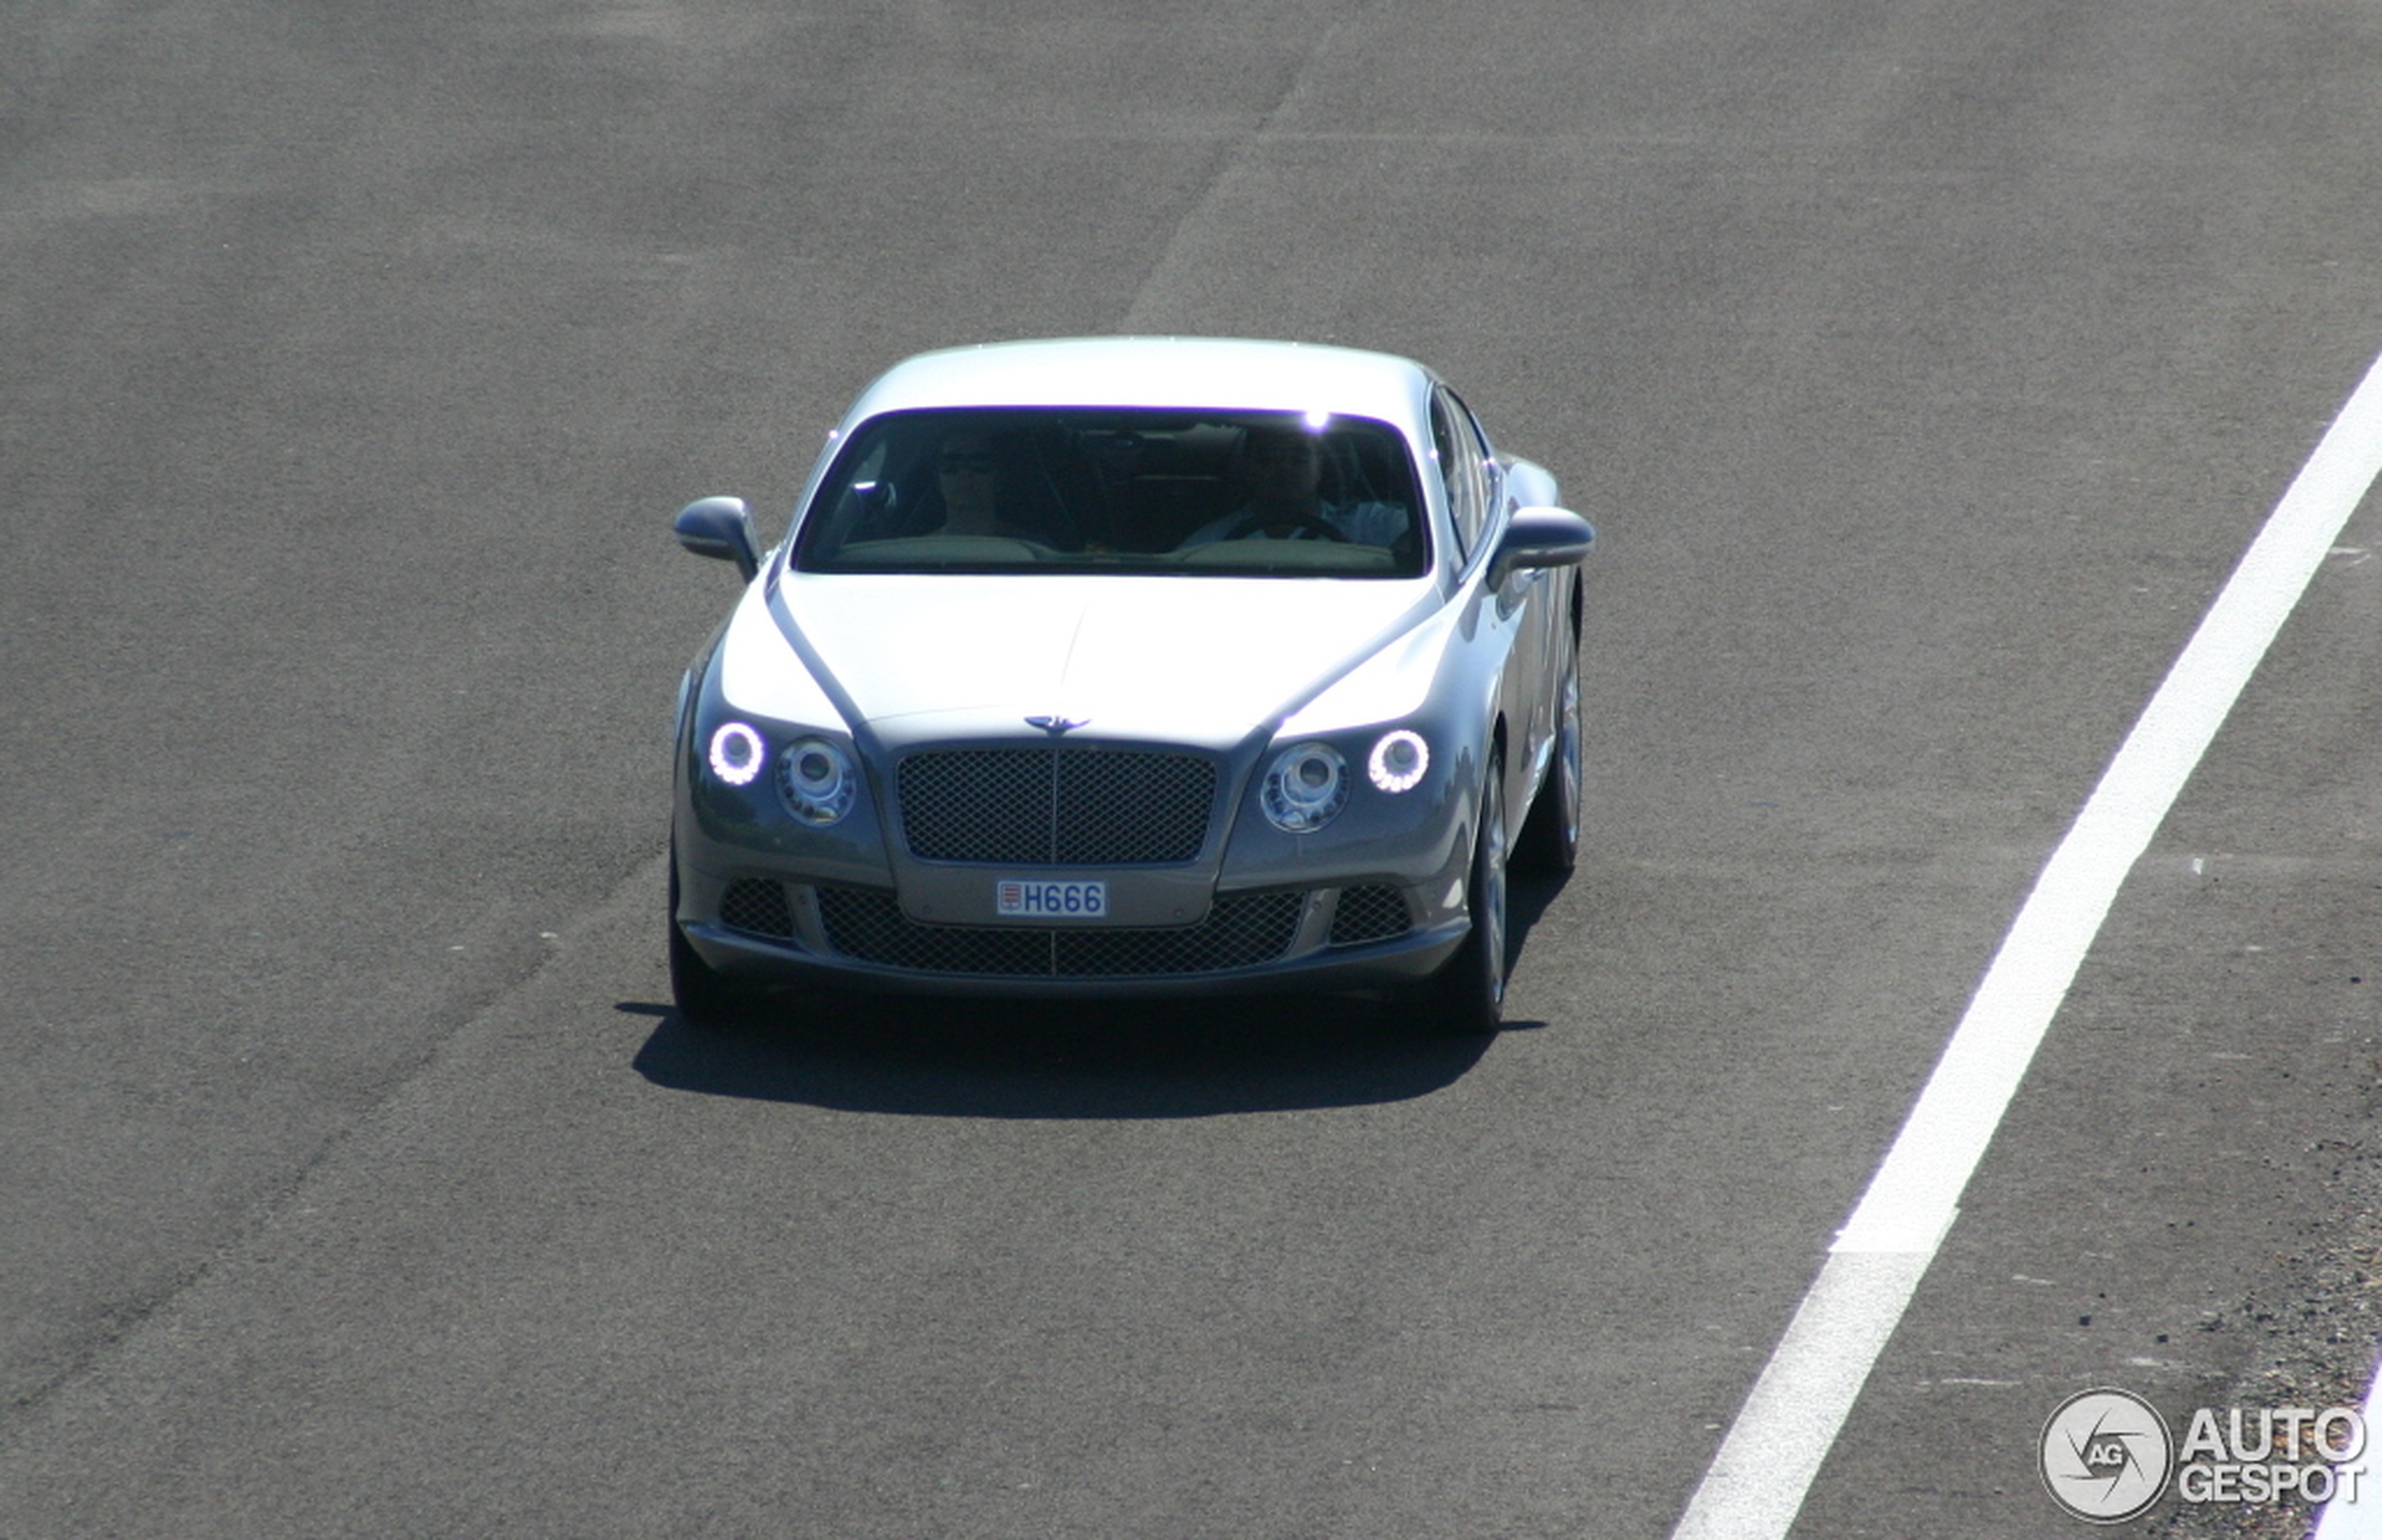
<point x="1398" y="760"/>
<point x="737" y="753"/>
<point x="817" y="781"/>
<point x="1305" y="788"/>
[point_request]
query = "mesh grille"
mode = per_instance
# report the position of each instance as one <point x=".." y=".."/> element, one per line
<point x="758" y="908"/>
<point x="1241" y="931"/>
<point x="1064" y="807"/>
<point x="1373" y="911"/>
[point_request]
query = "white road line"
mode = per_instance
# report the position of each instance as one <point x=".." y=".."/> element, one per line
<point x="2358" y="1516"/>
<point x="1765" y="1465"/>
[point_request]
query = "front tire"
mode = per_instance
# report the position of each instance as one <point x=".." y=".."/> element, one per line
<point x="1549" y="843"/>
<point x="1465" y="998"/>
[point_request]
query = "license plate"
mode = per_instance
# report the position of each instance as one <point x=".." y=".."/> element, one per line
<point x="1029" y="898"/>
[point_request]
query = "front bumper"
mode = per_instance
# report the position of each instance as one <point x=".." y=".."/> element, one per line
<point x="1364" y="935"/>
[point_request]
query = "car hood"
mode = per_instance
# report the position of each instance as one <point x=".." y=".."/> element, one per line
<point x="1205" y="660"/>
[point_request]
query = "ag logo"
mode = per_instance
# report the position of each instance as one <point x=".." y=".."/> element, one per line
<point x="2105" y="1455"/>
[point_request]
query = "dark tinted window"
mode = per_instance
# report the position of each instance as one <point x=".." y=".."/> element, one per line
<point x="1109" y="490"/>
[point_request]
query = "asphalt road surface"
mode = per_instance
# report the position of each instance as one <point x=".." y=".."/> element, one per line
<point x="1926" y="368"/>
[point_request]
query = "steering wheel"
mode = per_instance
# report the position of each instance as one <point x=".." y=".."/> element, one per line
<point x="1313" y="524"/>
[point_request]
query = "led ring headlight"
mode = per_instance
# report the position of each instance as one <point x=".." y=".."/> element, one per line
<point x="1398" y="760"/>
<point x="1305" y="788"/>
<point x="737" y="753"/>
<point x="817" y="780"/>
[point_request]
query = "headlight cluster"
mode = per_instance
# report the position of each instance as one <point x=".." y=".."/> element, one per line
<point x="737" y="753"/>
<point x="1398" y="760"/>
<point x="1305" y="787"/>
<point x="1307" y="784"/>
<point x="816" y="778"/>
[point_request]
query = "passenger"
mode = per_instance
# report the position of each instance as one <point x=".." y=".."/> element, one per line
<point x="968" y="475"/>
<point x="1281" y="470"/>
<point x="972" y="479"/>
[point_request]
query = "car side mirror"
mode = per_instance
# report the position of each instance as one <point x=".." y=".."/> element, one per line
<point x="1538" y="537"/>
<point x="721" y="528"/>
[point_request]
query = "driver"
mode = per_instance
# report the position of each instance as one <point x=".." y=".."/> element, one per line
<point x="1281" y="472"/>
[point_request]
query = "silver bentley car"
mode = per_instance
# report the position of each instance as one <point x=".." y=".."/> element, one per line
<point x="1133" y="666"/>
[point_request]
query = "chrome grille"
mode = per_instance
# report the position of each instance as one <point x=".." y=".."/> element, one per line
<point x="1371" y="912"/>
<point x="1055" y="806"/>
<point x="1241" y="931"/>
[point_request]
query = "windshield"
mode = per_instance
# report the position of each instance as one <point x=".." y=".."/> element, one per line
<point x="1083" y="489"/>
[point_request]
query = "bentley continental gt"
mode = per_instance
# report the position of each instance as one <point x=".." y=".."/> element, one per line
<point x="1124" y="667"/>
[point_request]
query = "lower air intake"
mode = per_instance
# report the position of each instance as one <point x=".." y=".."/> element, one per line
<point x="1241" y="931"/>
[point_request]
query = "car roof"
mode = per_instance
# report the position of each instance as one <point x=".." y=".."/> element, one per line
<point x="1160" y="372"/>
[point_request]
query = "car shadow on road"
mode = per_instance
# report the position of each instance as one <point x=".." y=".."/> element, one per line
<point x="942" y="1057"/>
